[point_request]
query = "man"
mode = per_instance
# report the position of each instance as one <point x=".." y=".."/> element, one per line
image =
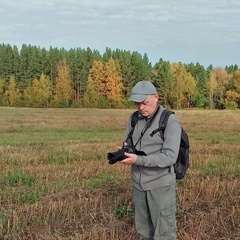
<point x="153" y="176"/>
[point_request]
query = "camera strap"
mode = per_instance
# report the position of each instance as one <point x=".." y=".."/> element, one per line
<point x="148" y="125"/>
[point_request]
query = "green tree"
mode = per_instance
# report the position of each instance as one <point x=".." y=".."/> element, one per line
<point x="55" y="57"/>
<point x="141" y="68"/>
<point x="126" y="68"/>
<point x="6" y="62"/>
<point x="35" y="66"/>
<point x="163" y="80"/>
<point x="201" y="96"/>
<point x="24" y="78"/>
<point x="107" y="54"/>
<point x="232" y="68"/>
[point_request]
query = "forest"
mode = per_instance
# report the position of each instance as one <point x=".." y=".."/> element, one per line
<point x="52" y="78"/>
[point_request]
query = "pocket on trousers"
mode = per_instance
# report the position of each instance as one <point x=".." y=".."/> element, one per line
<point x="167" y="223"/>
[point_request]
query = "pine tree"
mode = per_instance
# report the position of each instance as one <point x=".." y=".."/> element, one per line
<point x="163" y="80"/>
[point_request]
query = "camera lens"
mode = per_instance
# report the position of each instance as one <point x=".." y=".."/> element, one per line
<point x="113" y="157"/>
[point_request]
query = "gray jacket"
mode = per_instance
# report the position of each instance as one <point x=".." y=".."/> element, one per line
<point x="156" y="169"/>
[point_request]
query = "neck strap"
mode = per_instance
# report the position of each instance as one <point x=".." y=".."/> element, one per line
<point x="148" y="125"/>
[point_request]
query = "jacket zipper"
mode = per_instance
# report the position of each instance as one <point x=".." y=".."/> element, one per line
<point x="140" y="178"/>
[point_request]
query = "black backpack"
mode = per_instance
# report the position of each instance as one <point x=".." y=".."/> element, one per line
<point x="182" y="162"/>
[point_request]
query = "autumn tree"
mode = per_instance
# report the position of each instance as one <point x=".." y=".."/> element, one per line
<point x="39" y="93"/>
<point x="104" y="87"/>
<point x="232" y="97"/>
<point x="218" y="81"/>
<point x="189" y="89"/>
<point x="2" y="89"/>
<point x="63" y="87"/>
<point x="212" y="88"/>
<point x="112" y="88"/>
<point x="184" y="86"/>
<point x="45" y="90"/>
<point x="80" y="61"/>
<point x="95" y="85"/>
<point x="29" y="62"/>
<point x="28" y="96"/>
<point x="12" y="94"/>
<point x="236" y="81"/>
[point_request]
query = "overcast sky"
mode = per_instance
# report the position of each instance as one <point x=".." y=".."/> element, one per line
<point x="204" y="31"/>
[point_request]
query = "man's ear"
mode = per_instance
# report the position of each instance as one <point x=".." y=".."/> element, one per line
<point x="156" y="96"/>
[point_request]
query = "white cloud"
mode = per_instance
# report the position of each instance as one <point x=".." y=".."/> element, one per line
<point x="154" y="27"/>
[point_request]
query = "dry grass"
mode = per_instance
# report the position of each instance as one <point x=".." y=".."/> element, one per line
<point x="56" y="182"/>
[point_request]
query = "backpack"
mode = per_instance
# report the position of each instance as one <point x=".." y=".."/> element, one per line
<point x="182" y="162"/>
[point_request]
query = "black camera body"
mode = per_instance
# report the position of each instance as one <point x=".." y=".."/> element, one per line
<point x="114" y="157"/>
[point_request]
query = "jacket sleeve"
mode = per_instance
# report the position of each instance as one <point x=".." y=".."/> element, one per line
<point x="168" y="154"/>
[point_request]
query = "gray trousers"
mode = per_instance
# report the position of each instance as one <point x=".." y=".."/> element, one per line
<point x="155" y="213"/>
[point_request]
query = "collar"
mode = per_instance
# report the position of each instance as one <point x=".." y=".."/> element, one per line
<point x="153" y="114"/>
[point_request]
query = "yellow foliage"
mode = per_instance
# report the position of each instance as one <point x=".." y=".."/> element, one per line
<point x="113" y="77"/>
<point x="232" y="96"/>
<point x="184" y="85"/>
<point x="12" y="93"/>
<point x="104" y="84"/>
<point x="63" y="87"/>
<point x="236" y="80"/>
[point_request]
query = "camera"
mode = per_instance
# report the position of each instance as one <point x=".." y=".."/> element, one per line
<point x="114" y="157"/>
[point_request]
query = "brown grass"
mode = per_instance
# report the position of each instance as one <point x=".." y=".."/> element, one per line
<point x="56" y="182"/>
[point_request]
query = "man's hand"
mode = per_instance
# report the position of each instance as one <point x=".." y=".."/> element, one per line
<point x="131" y="159"/>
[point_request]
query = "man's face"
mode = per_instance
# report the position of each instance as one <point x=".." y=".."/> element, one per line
<point x="148" y="106"/>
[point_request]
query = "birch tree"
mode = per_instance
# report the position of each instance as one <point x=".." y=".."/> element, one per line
<point x="63" y="88"/>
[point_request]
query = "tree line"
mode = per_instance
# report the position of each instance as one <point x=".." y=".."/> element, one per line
<point x="37" y="77"/>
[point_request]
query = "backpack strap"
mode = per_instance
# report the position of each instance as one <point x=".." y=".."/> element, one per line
<point x="134" y="119"/>
<point x="162" y="123"/>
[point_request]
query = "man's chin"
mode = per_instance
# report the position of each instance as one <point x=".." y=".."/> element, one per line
<point x="144" y="114"/>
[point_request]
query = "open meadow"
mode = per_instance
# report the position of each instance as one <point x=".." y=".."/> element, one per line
<point x="56" y="183"/>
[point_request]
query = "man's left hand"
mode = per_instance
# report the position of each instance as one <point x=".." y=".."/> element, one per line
<point x="131" y="159"/>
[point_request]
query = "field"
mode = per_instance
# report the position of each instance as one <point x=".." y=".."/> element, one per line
<point x="56" y="183"/>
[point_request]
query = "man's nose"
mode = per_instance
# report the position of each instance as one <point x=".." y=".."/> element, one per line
<point x="140" y="106"/>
